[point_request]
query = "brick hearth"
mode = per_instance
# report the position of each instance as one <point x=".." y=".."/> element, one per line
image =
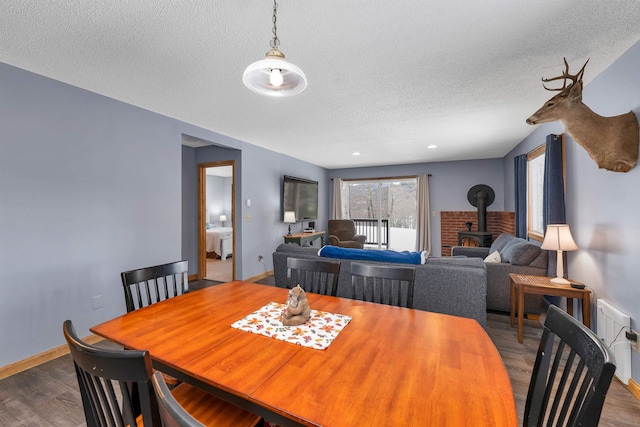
<point x="453" y="221"/>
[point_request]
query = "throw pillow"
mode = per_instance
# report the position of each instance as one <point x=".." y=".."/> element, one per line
<point x="519" y="252"/>
<point x="493" y="257"/>
<point x="540" y="261"/>
<point x="501" y="241"/>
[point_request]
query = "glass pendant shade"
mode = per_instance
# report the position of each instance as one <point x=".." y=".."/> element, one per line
<point x="261" y="78"/>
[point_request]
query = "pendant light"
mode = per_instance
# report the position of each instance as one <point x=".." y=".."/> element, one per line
<point x="274" y="76"/>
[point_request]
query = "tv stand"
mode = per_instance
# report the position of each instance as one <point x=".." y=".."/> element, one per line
<point x="305" y="237"/>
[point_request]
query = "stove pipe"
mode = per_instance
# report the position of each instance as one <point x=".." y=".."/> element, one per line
<point x="481" y="198"/>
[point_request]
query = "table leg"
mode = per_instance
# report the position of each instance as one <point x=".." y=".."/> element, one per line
<point x="512" y="295"/>
<point x="570" y="306"/>
<point x="586" y="310"/>
<point x="520" y="293"/>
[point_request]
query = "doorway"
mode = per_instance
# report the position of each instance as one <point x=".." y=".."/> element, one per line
<point x="216" y="231"/>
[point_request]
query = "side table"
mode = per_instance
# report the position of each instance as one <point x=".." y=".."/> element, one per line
<point x="522" y="284"/>
<point x="305" y="237"/>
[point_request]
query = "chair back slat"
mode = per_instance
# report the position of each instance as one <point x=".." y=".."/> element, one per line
<point x="391" y="285"/>
<point x="102" y="373"/>
<point x="315" y="276"/>
<point x="563" y="396"/>
<point x="149" y="285"/>
<point x="571" y="375"/>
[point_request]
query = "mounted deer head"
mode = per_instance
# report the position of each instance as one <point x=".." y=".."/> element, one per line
<point x="612" y="142"/>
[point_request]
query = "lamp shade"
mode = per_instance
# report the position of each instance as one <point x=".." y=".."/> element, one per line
<point x="290" y="217"/>
<point x="558" y="238"/>
<point x="274" y="76"/>
<point x="223" y="217"/>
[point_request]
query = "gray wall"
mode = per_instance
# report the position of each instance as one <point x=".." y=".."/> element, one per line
<point x="449" y="184"/>
<point x="265" y="231"/>
<point x="602" y="206"/>
<point x="218" y="199"/>
<point x="189" y="228"/>
<point x="89" y="187"/>
<point x="191" y="157"/>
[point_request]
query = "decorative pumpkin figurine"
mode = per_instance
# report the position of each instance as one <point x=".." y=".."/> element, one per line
<point x="297" y="310"/>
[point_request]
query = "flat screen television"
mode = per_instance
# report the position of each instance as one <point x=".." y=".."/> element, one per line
<point x="300" y="196"/>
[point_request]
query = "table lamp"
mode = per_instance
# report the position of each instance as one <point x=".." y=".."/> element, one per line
<point x="558" y="238"/>
<point x="223" y="218"/>
<point x="289" y="218"/>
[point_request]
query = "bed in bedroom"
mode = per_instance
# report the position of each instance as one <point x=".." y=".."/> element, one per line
<point x="220" y="242"/>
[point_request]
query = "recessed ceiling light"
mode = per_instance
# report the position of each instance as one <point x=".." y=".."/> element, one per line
<point x="355" y="153"/>
<point x="432" y="146"/>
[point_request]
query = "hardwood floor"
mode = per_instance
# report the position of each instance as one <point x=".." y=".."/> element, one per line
<point x="219" y="270"/>
<point x="47" y="395"/>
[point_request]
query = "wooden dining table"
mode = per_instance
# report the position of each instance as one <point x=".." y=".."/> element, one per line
<point x="389" y="366"/>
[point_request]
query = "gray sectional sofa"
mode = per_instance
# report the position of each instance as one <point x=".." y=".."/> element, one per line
<point x="455" y="286"/>
<point x="517" y="256"/>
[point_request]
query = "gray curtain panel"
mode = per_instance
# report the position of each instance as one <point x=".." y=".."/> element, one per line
<point x="553" y="194"/>
<point x="520" y="166"/>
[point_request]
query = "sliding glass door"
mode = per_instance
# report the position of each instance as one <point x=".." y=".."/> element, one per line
<point x="384" y="210"/>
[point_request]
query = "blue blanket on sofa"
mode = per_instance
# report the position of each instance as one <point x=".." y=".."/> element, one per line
<point x="405" y="257"/>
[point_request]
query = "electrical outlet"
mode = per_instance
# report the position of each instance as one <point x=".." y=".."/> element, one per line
<point x="97" y="302"/>
<point x="260" y="258"/>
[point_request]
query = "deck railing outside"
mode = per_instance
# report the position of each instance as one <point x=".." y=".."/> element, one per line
<point x="369" y="228"/>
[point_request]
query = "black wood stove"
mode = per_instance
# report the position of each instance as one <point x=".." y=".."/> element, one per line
<point x="479" y="196"/>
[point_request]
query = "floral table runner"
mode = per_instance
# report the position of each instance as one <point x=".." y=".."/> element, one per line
<point x="318" y="332"/>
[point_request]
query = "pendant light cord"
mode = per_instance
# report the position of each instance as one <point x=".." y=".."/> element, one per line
<point x="275" y="41"/>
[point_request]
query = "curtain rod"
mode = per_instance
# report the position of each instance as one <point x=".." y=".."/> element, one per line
<point x="379" y="178"/>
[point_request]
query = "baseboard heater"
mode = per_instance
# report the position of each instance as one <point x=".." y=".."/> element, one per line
<point x="612" y="324"/>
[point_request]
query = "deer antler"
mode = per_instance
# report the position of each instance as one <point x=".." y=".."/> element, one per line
<point x="566" y="76"/>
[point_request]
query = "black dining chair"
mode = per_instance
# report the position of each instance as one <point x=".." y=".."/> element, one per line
<point x="571" y="375"/>
<point x="391" y="285"/>
<point x="116" y="389"/>
<point x="172" y="413"/>
<point x="149" y="285"/>
<point x="315" y="276"/>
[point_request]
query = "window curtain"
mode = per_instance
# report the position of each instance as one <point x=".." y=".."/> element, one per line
<point x="553" y="191"/>
<point x="423" y="226"/>
<point x="520" y="172"/>
<point x="336" y="203"/>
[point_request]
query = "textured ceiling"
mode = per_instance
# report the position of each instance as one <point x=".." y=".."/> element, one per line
<point x="386" y="78"/>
